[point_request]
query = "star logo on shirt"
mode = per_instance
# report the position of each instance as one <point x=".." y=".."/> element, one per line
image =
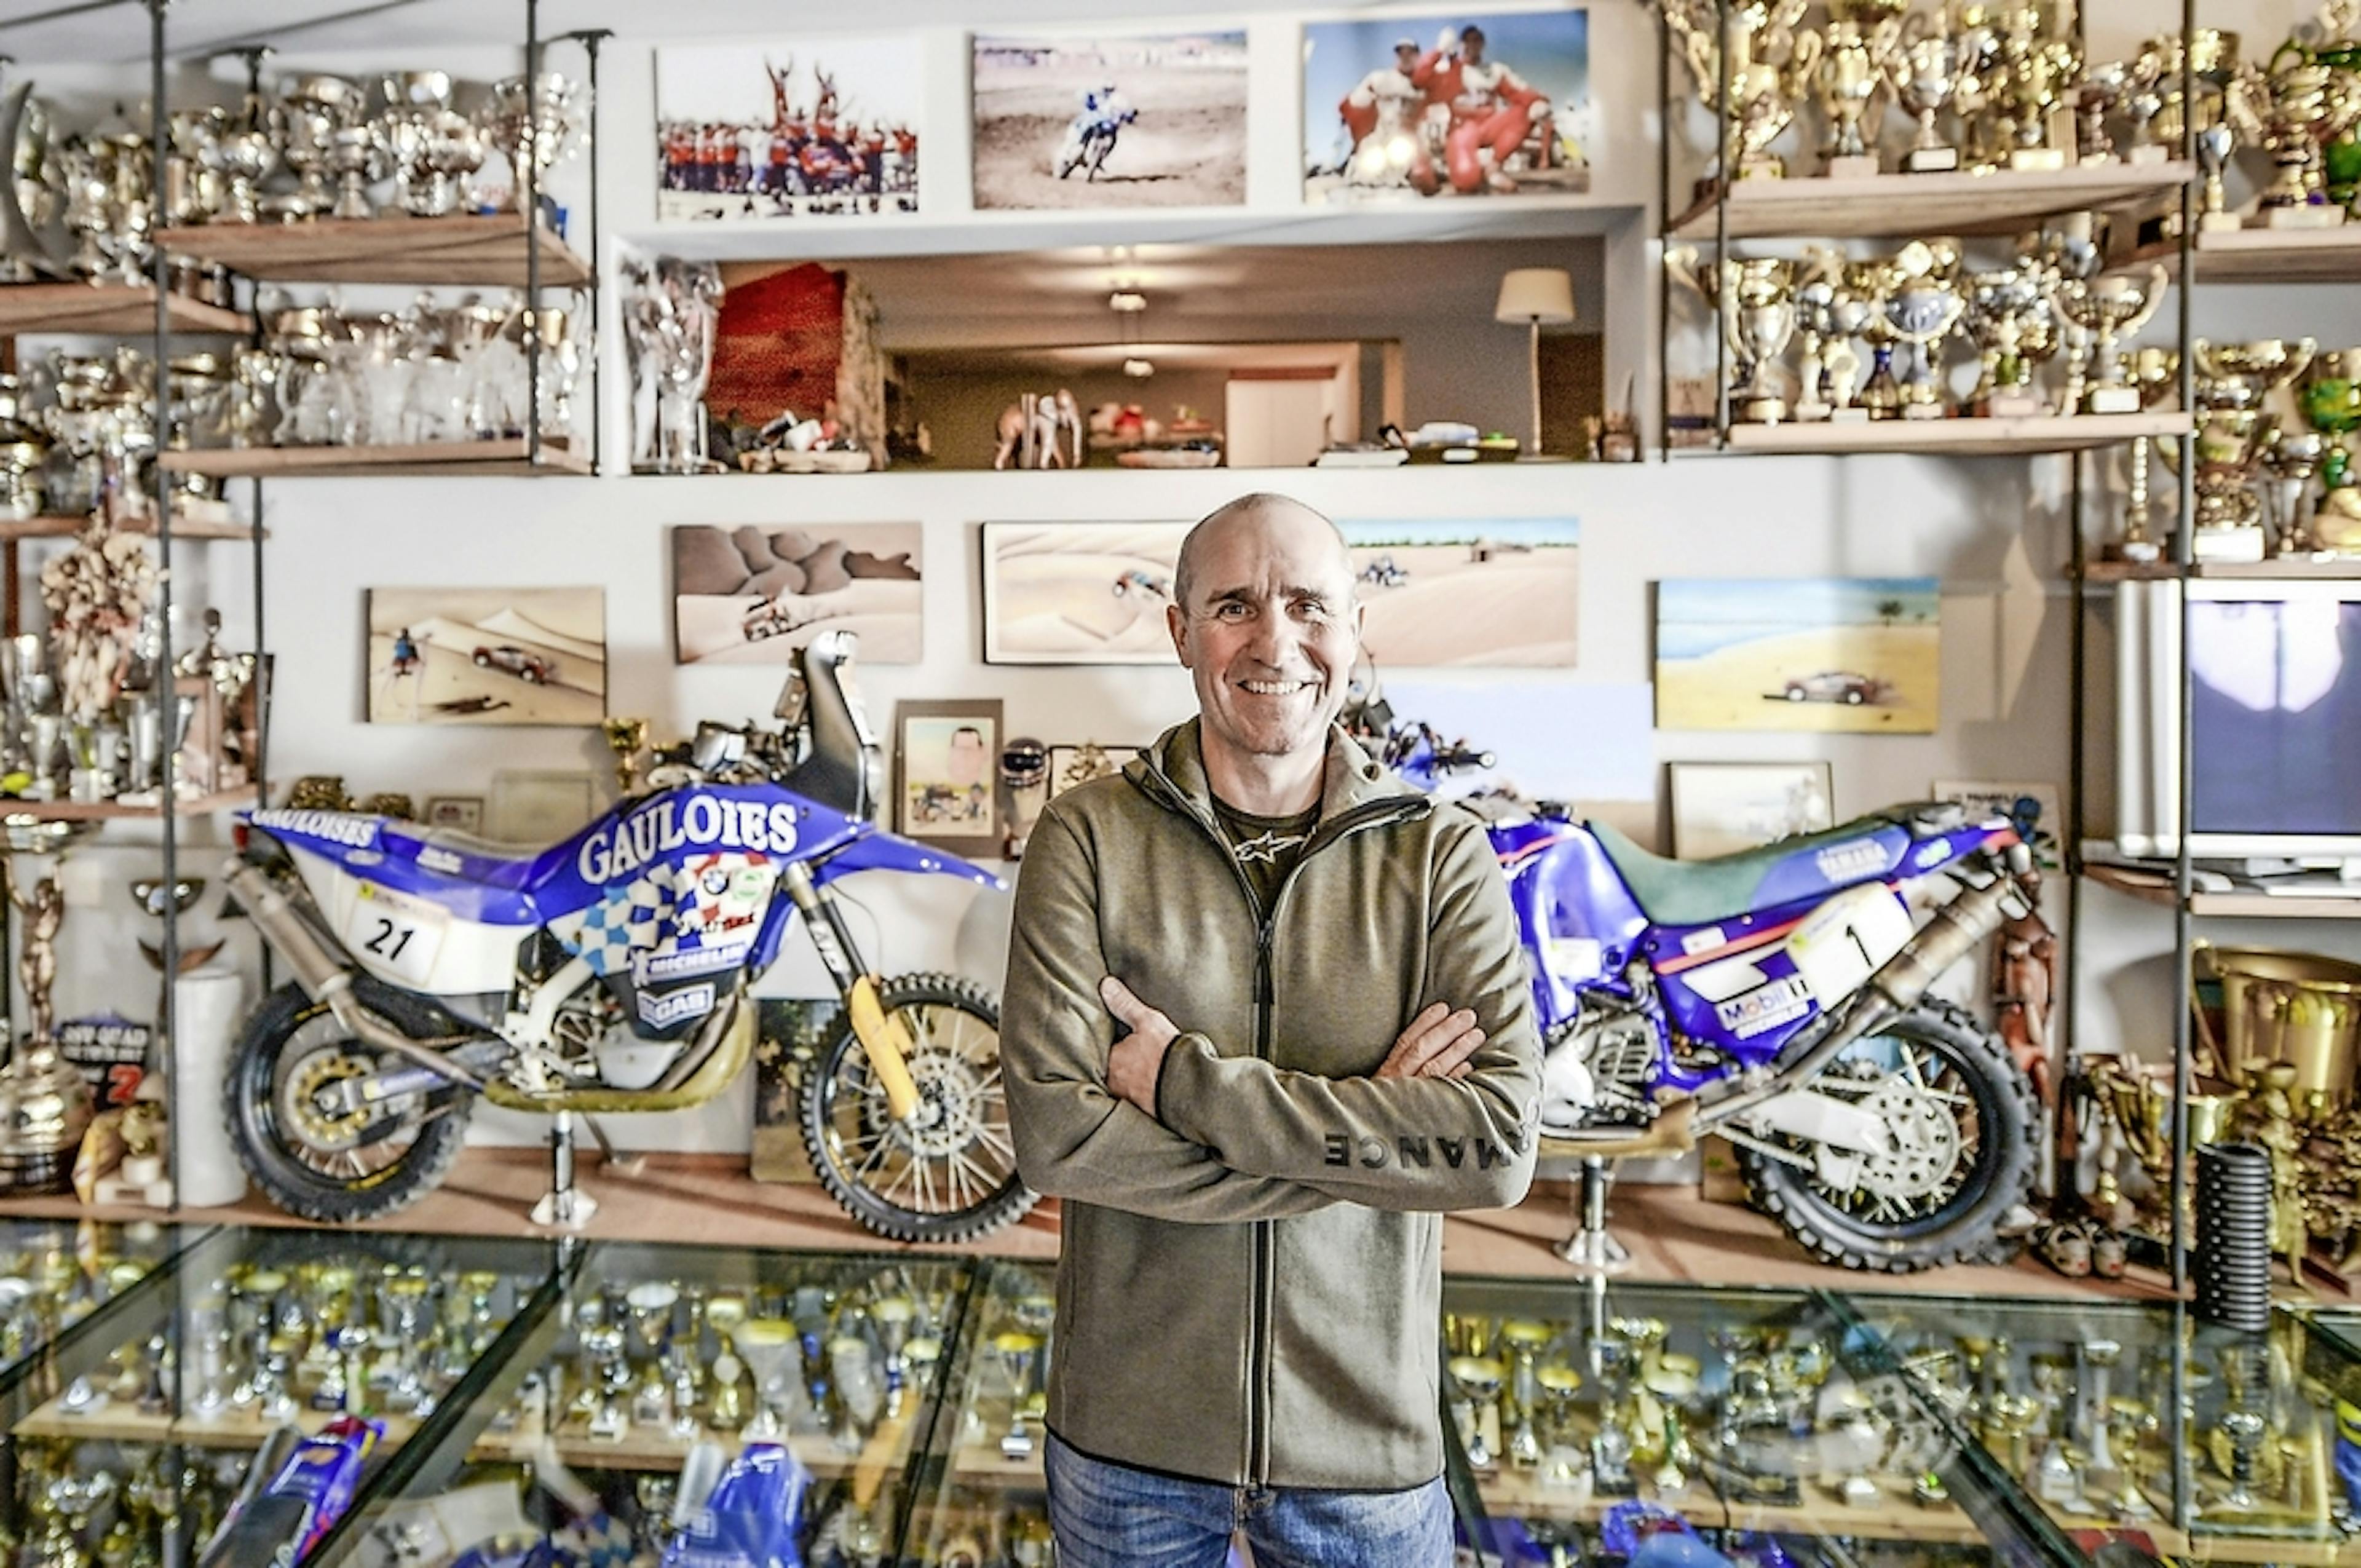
<point x="1266" y="847"/>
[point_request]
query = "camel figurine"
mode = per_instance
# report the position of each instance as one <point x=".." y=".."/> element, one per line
<point x="1040" y="430"/>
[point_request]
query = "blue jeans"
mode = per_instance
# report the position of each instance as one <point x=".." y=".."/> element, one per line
<point x="1111" y="1515"/>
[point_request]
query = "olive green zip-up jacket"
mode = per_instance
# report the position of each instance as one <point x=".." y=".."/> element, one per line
<point x="1250" y="1288"/>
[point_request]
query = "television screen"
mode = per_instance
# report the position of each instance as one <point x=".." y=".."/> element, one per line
<point x="2275" y="713"/>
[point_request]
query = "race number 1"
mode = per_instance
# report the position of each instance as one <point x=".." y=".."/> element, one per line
<point x="395" y="936"/>
<point x="1844" y="941"/>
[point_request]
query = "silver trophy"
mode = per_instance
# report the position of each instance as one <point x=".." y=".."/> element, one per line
<point x="541" y="127"/>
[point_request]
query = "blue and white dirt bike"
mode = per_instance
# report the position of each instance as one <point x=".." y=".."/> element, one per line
<point x="610" y="973"/>
<point x="1780" y="998"/>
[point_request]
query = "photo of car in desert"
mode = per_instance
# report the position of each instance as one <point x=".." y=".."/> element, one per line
<point x="1820" y="654"/>
<point x="486" y="655"/>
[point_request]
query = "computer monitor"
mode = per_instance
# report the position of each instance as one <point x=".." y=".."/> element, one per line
<point x="2275" y="718"/>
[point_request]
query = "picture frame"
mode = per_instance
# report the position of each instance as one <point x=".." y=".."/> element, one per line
<point x="947" y="773"/>
<point x="1174" y="134"/>
<point x="539" y="805"/>
<point x="461" y="813"/>
<point x="757" y="595"/>
<point x="2036" y="807"/>
<point x="1073" y="764"/>
<point x="488" y="656"/>
<point x="1849" y="655"/>
<point x="1723" y="809"/>
<point x="726" y="119"/>
<point x="1051" y="592"/>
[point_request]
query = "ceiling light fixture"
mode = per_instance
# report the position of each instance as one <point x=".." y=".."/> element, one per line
<point x="1139" y="369"/>
<point x="1129" y="302"/>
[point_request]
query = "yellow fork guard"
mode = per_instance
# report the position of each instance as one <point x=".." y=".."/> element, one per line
<point x="888" y="1042"/>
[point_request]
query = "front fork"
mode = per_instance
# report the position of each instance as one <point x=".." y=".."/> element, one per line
<point x="883" y="1035"/>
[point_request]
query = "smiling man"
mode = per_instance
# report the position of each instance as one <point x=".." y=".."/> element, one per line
<point x="1265" y="1020"/>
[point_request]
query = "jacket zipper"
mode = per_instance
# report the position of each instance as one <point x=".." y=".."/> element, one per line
<point x="1258" y="1359"/>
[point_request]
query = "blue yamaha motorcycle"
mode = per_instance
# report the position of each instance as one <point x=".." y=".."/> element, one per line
<point x="610" y="973"/>
<point x="1779" y="998"/>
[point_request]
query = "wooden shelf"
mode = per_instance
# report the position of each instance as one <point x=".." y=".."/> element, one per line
<point x="486" y="251"/>
<point x="2001" y="201"/>
<point x="116" y="310"/>
<point x="1964" y="437"/>
<point x="886" y="1451"/>
<point x="463" y="457"/>
<point x="2261" y="255"/>
<point x="119" y="1423"/>
<point x="67" y="525"/>
<point x="2155" y="887"/>
<point x="2293" y="569"/>
<point x="111" y="811"/>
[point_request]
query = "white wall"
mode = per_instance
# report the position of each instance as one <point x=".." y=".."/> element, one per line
<point x="1992" y="530"/>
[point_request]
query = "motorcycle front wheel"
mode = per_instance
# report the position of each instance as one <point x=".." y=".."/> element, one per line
<point x="949" y="1173"/>
<point x="317" y="1163"/>
<point x="1963" y="1116"/>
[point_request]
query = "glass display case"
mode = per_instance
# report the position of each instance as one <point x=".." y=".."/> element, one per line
<point x="1588" y="1418"/>
<point x="148" y="1420"/>
<point x="651" y="1370"/>
<point x="2076" y="1402"/>
<point x="55" y="1273"/>
<point x="984" y="1503"/>
<point x="521" y="1396"/>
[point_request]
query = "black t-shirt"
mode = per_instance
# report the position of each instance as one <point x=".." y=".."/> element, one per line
<point x="1266" y="848"/>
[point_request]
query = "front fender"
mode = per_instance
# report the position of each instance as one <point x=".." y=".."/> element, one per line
<point x="883" y="851"/>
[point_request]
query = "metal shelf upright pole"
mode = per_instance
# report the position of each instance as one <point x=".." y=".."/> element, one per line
<point x="167" y="1051"/>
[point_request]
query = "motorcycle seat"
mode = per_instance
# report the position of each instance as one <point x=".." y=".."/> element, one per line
<point x="1698" y="893"/>
<point x="490" y="863"/>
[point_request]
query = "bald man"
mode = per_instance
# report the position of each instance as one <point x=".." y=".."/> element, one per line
<point x="1265" y="1021"/>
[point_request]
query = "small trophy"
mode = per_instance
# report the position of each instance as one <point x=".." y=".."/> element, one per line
<point x="2110" y="308"/>
<point x="1925" y="74"/>
<point x="627" y="738"/>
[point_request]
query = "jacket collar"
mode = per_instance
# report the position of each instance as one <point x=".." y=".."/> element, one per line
<point x="1355" y="779"/>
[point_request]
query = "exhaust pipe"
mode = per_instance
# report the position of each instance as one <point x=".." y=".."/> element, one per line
<point x="1893" y="991"/>
<point x="325" y="978"/>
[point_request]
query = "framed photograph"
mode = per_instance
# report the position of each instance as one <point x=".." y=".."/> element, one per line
<point x="752" y="594"/>
<point x="1484" y="105"/>
<point x="1856" y="654"/>
<point x="464" y="812"/>
<point x="2036" y="810"/>
<point x="788" y="1032"/>
<point x="1122" y="120"/>
<point x="1720" y="808"/>
<point x="947" y="774"/>
<point x="1071" y="765"/>
<point x="1079" y="593"/>
<point x="539" y="805"/>
<point x="1489" y="594"/>
<point x="486" y="656"/>
<point x="786" y="128"/>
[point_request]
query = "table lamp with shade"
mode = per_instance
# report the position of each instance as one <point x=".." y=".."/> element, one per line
<point x="1538" y="296"/>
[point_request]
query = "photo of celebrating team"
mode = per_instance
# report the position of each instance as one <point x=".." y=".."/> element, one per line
<point x="1449" y="105"/>
<point x="794" y="127"/>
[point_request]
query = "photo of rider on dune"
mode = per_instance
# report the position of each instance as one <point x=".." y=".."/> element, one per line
<point x="1150" y="120"/>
